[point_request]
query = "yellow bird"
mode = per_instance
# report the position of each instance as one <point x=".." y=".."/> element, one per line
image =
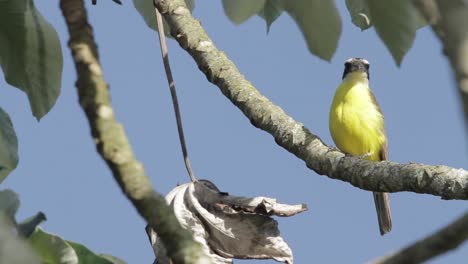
<point x="357" y="126"/>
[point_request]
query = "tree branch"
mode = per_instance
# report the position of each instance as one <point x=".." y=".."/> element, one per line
<point x="448" y="20"/>
<point x="386" y="176"/>
<point x="113" y="145"/>
<point x="446" y="239"/>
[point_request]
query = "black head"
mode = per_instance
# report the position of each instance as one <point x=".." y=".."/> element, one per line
<point x="356" y="65"/>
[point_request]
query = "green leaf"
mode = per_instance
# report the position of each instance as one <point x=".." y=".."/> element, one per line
<point x="320" y="24"/>
<point x="396" y="23"/>
<point x="87" y="256"/>
<point x="318" y="20"/>
<point x="420" y="20"/>
<point x="146" y="10"/>
<point x="9" y="204"/>
<point x="112" y="259"/>
<point x="360" y="14"/>
<point x="8" y="146"/>
<point x="13" y="250"/>
<point x="53" y="249"/>
<point x="271" y="11"/>
<point x="30" y="54"/>
<point x="238" y="11"/>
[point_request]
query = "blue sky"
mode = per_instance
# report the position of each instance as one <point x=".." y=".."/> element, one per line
<point x="61" y="174"/>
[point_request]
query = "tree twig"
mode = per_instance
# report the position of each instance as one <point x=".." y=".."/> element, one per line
<point x="448" y="238"/>
<point x="386" y="176"/>
<point x="175" y="102"/>
<point x="112" y="143"/>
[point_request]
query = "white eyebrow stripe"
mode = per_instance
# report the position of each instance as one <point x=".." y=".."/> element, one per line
<point x="356" y="59"/>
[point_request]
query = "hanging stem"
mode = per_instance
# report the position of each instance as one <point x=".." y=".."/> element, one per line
<point x="175" y="102"/>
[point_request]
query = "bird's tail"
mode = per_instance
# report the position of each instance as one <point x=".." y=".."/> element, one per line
<point x="382" y="205"/>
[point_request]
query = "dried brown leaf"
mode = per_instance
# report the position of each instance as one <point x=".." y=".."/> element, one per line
<point x="229" y="226"/>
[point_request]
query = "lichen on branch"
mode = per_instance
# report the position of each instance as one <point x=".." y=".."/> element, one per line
<point x="386" y="176"/>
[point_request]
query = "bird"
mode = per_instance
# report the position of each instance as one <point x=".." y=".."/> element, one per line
<point x="357" y="126"/>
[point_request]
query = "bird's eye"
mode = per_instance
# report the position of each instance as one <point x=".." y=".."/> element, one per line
<point x="347" y="64"/>
<point x="367" y="66"/>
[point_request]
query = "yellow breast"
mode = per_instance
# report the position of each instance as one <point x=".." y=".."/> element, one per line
<point x="356" y="123"/>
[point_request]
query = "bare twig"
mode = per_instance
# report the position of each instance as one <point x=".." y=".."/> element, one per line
<point x="112" y="143"/>
<point x="386" y="176"/>
<point x="448" y="238"/>
<point x="175" y="102"/>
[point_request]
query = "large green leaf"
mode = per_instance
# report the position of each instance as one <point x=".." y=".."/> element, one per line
<point x="271" y="11"/>
<point x="146" y="10"/>
<point x="30" y="54"/>
<point x="396" y="24"/>
<point x="395" y="21"/>
<point x="320" y="24"/>
<point x="318" y="20"/>
<point x="87" y="256"/>
<point x="9" y="204"/>
<point x="238" y="11"/>
<point x="13" y="250"/>
<point x="360" y="14"/>
<point x="112" y="259"/>
<point x="53" y="249"/>
<point x="8" y="146"/>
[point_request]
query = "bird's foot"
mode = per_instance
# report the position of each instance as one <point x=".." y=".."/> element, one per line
<point x="364" y="156"/>
<point x="331" y="149"/>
